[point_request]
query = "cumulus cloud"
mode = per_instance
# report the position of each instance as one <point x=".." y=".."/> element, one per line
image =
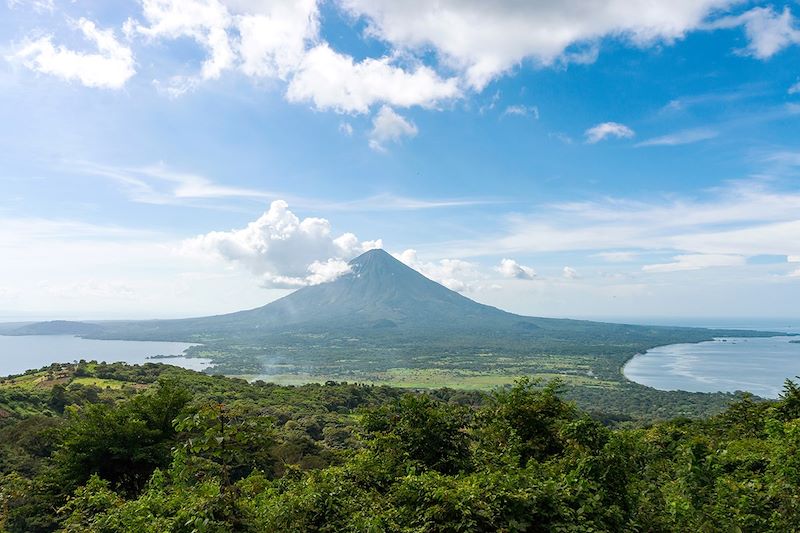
<point x="569" y="273"/>
<point x="280" y="39"/>
<point x="388" y="126"/>
<point x="273" y="41"/>
<point x="337" y="82"/>
<point x="696" y="262"/>
<point x="204" y="21"/>
<point x="109" y="68"/>
<point x="768" y="31"/>
<point x="681" y="137"/>
<point x="509" y="268"/>
<point x="455" y="274"/>
<point x="486" y="39"/>
<point x="262" y="39"/>
<point x="283" y="250"/>
<point x="472" y="42"/>
<point x="607" y="129"/>
<point x="475" y="42"/>
<point x="794" y="89"/>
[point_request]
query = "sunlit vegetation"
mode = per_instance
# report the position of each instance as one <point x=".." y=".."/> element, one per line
<point x="153" y="448"/>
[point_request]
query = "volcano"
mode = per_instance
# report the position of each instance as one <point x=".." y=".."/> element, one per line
<point x="378" y="293"/>
<point x="380" y="300"/>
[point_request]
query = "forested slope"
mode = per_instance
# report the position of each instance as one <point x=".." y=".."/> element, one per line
<point x="109" y="448"/>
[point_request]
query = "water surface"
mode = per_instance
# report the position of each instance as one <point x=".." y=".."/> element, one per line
<point x="757" y="365"/>
<point x="18" y="354"/>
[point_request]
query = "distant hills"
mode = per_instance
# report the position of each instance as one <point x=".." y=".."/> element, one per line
<point x="383" y="314"/>
<point x="379" y="293"/>
<point x="380" y="296"/>
<point x="59" y="327"/>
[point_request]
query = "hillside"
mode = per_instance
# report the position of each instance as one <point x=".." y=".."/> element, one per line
<point x="151" y="449"/>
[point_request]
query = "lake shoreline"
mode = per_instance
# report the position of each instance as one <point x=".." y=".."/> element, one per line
<point x="710" y="366"/>
<point x="21" y="353"/>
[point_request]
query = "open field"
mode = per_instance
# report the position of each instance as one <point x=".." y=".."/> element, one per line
<point x="432" y="378"/>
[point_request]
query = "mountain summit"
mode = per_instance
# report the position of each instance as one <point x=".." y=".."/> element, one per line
<point x="379" y="291"/>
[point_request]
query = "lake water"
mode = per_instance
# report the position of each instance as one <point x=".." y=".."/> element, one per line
<point x="18" y="354"/>
<point x="757" y="365"/>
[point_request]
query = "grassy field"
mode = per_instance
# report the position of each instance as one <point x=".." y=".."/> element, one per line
<point x="47" y="379"/>
<point x="100" y="383"/>
<point x="433" y="378"/>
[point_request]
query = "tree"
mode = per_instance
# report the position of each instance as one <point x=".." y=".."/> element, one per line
<point x="122" y="444"/>
<point x="526" y="420"/>
<point x="420" y="429"/>
<point x="58" y="398"/>
<point x="226" y="442"/>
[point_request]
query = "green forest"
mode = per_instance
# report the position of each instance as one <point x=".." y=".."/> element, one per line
<point x="93" y="447"/>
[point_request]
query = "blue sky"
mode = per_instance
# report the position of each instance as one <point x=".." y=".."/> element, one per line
<point x="608" y="159"/>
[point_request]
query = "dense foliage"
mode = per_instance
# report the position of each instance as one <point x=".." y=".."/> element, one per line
<point x="110" y="448"/>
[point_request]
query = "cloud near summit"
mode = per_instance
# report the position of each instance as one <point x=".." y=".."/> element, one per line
<point x="283" y="250"/>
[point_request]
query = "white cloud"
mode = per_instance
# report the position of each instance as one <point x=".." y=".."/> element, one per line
<point x="742" y="218"/>
<point x="176" y="86"/>
<point x="569" y="273"/>
<point x="472" y="42"/>
<point x="283" y="250"/>
<point x="346" y="128"/>
<point x="696" y="262"/>
<point x="794" y="273"/>
<point x="455" y="274"/>
<point x="205" y="21"/>
<point x="161" y="185"/>
<point x="794" y="89"/>
<point x="157" y="184"/>
<point x="388" y="126"/>
<point x="793" y="258"/>
<point x="486" y="39"/>
<point x="391" y="202"/>
<point x="509" y="268"/>
<point x="109" y="68"/>
<point x="334" y="81"/>
<point x="273" y="42"/>
<point x="769" y="32"/>
<point x="607" y="129"/>
<point x="36" y="5"/>
<point x="681" y="137"/>
<point x="522" y="111"/>
<point x="262" y="39"/>
<point x="280" y="39"/>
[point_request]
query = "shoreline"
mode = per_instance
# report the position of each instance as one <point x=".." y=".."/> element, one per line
<point x="629" y="360"/>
